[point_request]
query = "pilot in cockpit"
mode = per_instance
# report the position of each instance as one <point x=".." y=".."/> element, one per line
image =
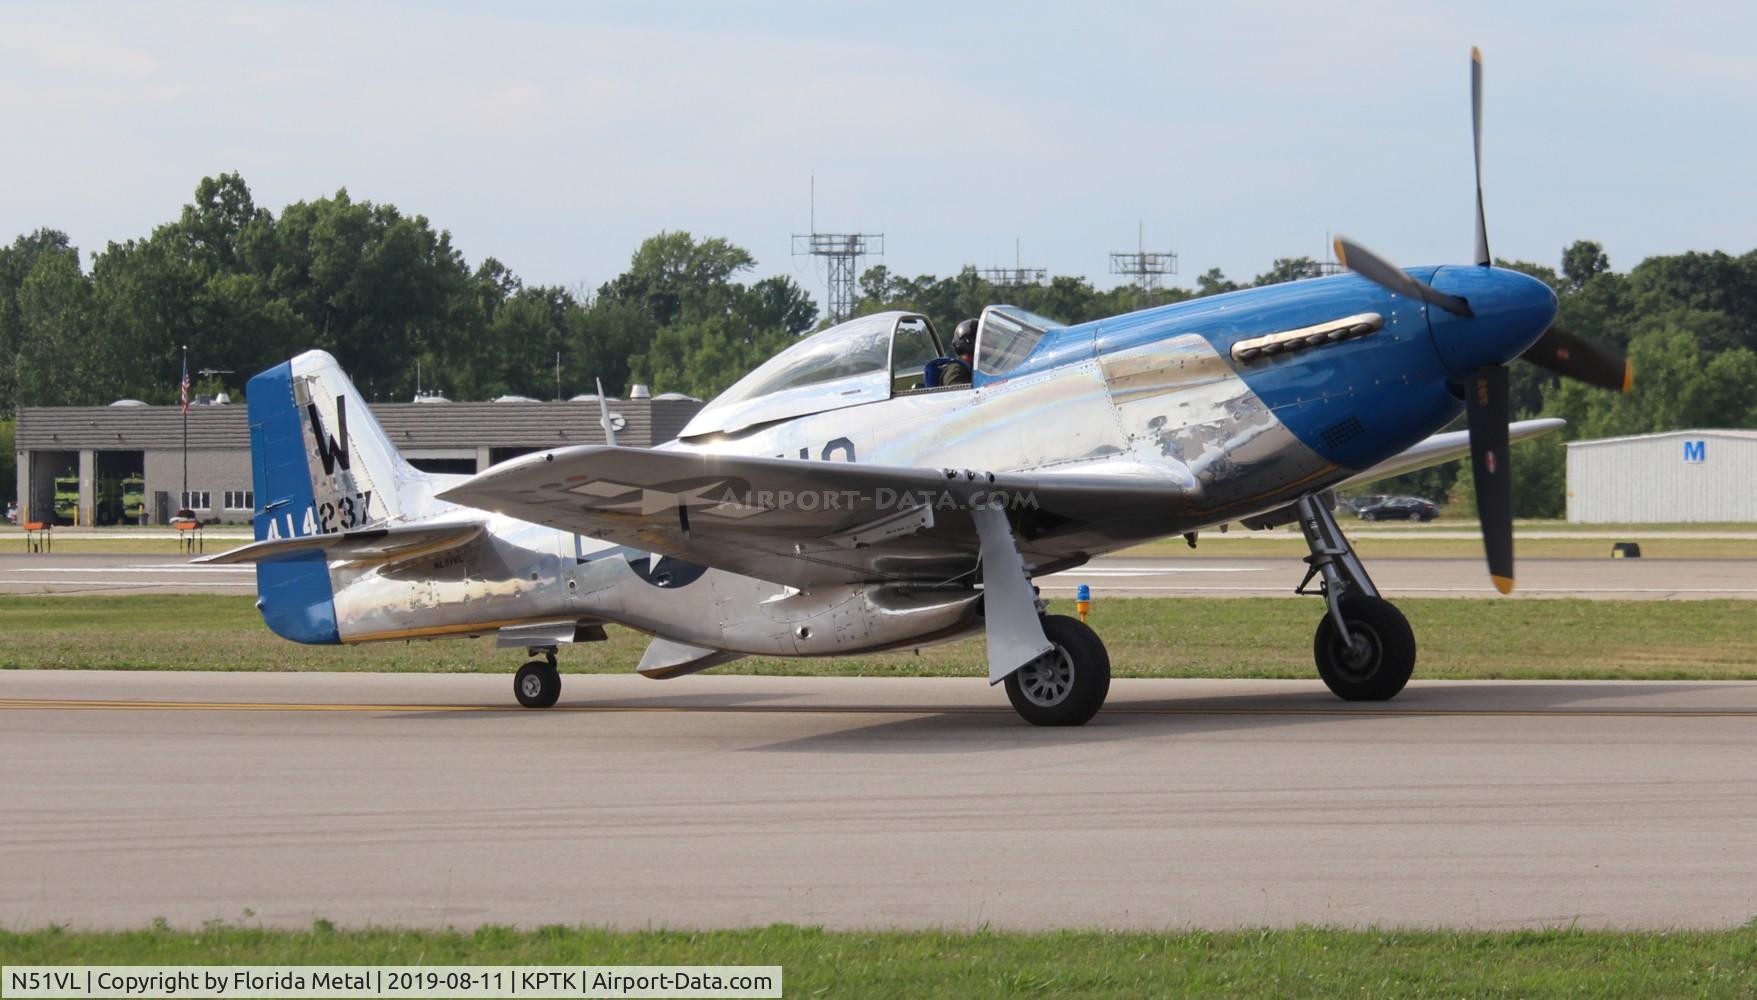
<point x="957" y="371"/>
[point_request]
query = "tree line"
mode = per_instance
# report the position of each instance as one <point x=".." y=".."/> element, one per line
<point x="383" y="291"/>
<point x="395" y="302"/>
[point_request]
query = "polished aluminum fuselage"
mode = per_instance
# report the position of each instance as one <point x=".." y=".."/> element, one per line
<point x="1173" y="406"/>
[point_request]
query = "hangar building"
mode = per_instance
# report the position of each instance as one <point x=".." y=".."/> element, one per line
<point x="1656" y="478"/>
<point x="124" y="462"/>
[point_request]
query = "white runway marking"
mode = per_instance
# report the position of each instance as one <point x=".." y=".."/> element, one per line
<point x="1098" y="571"/>
<point x="165" y="568"/>
<point x="1443" y="590"/>
<point x="39" y="582"/>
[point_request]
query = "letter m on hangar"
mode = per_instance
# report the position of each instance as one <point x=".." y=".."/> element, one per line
<point x="1695" y="452"/>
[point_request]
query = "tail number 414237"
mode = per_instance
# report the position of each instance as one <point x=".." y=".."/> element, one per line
<point x="344" y="513"/>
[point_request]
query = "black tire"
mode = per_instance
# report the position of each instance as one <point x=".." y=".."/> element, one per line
<point x="1067" y="685"/>
<point x="1369" y="516"/>
<point x="537" y="684"/>
<point x="1379" y="668"/>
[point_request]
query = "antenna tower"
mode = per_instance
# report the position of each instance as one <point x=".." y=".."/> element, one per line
<point x="841" y="253"/>
<point x="1015" y="276"/>
<point x="1146" y="267"/>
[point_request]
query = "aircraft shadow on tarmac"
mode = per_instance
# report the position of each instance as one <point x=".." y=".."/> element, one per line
<point x="921" y="728"/>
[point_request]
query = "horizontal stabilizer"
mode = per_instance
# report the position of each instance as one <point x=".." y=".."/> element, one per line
<point x="366" y="545"/>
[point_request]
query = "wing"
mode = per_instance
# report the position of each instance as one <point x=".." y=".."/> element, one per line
<point x="1441" y="448"/>
<point x="367" y="545"/>
<point x="799" y="522"/>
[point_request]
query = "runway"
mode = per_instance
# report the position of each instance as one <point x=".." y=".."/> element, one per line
<point x="1109" y="576"/>
<point x="426" y="801"/>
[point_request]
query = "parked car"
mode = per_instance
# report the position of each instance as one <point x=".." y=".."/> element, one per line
<point x="1354" y="504"/>
<point x="1400" y="509"/>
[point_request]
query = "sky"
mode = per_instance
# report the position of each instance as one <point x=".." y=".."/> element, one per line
<point x="557" y="136"/>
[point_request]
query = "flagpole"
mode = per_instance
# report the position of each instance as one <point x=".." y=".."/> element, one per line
<point x="184" y="499"/>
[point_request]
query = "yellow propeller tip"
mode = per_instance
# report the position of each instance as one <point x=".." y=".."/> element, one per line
<point x="1475" y="54"/>
<point x="1504" y="584"/>
<point x="1628" y="375"/>
<point x="1341" y="257"/>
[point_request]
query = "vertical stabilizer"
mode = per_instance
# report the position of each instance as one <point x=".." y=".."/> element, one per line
<point x="321" y="465"/>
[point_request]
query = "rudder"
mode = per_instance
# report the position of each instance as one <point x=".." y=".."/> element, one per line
<point x="321" y="464"/>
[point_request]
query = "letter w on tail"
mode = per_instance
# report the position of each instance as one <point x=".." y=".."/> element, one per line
<point x="331" y="451"/>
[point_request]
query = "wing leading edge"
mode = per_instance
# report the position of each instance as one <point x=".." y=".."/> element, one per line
<point x="797" y="522"/>
<point x="1442" y="448"/>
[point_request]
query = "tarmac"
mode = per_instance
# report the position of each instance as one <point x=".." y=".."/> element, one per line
<point x="420" y="800"/>
<point x="1109" y="576"/>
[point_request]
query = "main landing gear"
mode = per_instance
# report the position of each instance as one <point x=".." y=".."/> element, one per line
<point x="1364" y="648"/>
<point x="538" y="683"/>
<point x="1065" y="686"/>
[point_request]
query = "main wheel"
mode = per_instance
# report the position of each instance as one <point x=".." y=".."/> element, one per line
<point x="1376" y="665"/>
<point x="1065" y="686"/>
<point x="537" y="684"/>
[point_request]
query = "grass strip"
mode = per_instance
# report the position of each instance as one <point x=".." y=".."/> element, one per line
<point x="1460" y="638"/>
<point x="1297" y="962"/>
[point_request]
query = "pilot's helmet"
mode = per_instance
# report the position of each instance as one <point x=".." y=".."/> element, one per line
<point x="964" y="338"/>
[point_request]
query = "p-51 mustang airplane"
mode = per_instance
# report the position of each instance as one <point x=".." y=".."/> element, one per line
<point x="834" y="502"/>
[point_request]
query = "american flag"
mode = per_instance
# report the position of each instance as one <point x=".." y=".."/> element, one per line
<point x="186" y="385"/>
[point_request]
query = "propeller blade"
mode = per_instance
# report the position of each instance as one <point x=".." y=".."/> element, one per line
<point x="1582" y="360"/>
<point x="1482" y="229"/>
<point x="1382" y="272"/>
<point x="1488" y="412"/>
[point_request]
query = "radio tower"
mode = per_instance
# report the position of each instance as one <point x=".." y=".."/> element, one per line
<point x="1015" y="276"/>
<point x="1145" y="267"/>
<point x="841" y="253"/>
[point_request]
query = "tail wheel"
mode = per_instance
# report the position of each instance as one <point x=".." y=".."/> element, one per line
<point x="1067" y="685"/>
<point x="1376" y="664"/>
<point x="537" y="684"/>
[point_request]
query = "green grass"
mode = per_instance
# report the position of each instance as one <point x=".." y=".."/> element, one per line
<point x="1292" y="545"/>
<point x="1147" y="637"/>
<point x="1300" y="962"/>
<point x="1284" y="541"/>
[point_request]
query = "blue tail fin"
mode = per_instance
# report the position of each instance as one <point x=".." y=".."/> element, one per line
<point x="294" y="593"/>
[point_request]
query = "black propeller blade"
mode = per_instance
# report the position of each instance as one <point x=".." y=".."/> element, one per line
<point x="1482" y="229"/>
<point x="1573" y="357"/>
<point x="1382" y="272"/>
<point x="1485" y="391"/>
<point x="1487" y="409"/>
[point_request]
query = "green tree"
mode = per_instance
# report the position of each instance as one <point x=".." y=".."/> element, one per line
<point x="1288" y="269"/>
<point x="1214" y="282"/>
<point x="1677" y="386"/>
<point x="58" y="361"/>
<point x="1540" y="479"/>
<point x="8" y="460"/>
<point x="671" y="271"/>
<point x="603" y="341"/>
<point x="1582" y="261"/>
<point x="16" y="262"/>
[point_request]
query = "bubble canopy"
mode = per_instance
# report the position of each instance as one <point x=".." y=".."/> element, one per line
<point x="847" y="365"/>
